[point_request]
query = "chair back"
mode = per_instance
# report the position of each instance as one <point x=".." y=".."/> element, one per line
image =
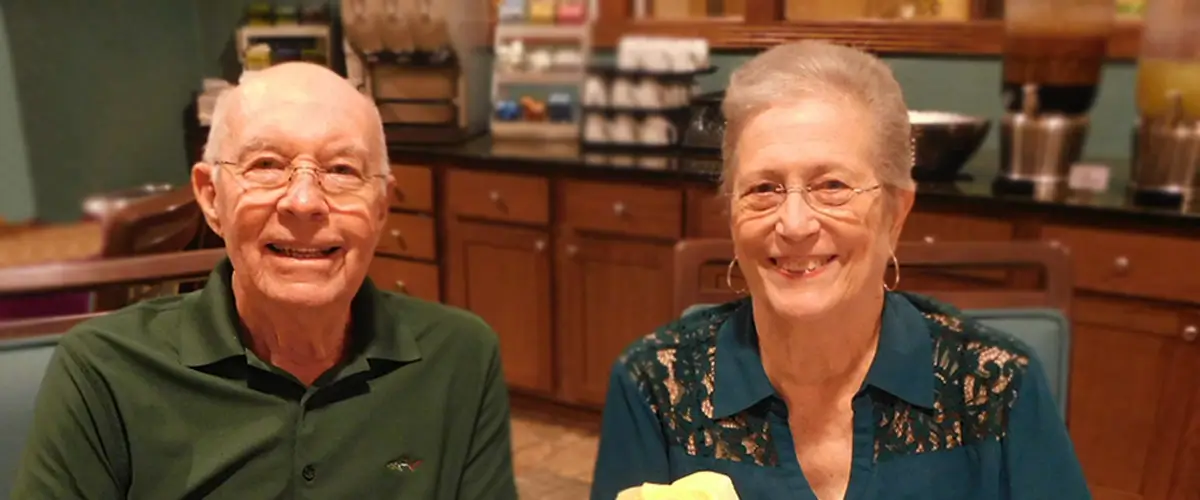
<point x="144" y="276"/>
<point x="1039" y="318"/>
<point x="22" y="364"/>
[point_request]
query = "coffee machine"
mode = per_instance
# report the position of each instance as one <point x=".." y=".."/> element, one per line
<point x="1053" y="53"/>
<point x="1166" y="135"/>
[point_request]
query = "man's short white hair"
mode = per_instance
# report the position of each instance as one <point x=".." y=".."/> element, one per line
<point x="218" y="135"/>
<point x="814" y="69"/>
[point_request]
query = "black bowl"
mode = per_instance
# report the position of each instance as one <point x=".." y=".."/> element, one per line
<point x="943" y="142"/>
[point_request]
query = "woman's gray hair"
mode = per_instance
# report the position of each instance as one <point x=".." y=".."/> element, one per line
<point x="792" y="72"/>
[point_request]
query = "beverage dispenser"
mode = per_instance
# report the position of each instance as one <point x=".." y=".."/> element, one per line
<point x="1166" y="137"/>
<point x="1054" y="51"/>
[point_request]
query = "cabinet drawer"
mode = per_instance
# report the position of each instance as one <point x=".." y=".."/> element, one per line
<point x="621" y="208"/>
<point x="403" y="276"/>
<point x="707" y="214"/>
<point x="1129" y="263"/>
<point x="502" y="197"/>
<point x="932" y="227"/>
<point x="408" y="235"/>
<point x="413" y="189"/>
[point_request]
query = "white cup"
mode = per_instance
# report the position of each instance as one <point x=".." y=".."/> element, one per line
<point x="595" y="92"/>
<point x="595" y="129"/>
<point x="621" y="93"/>
<point x="622" y="129"/>
<point x="649" y="94"/>
<point x="656" y="130"/>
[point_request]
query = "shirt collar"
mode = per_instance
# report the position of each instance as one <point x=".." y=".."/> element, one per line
<point x="902" y="365"/>
<point x="214" y="336"/>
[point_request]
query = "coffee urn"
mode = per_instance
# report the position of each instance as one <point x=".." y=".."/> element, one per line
<point x="1166" y="136"/>
<point x="1053" y="54"/>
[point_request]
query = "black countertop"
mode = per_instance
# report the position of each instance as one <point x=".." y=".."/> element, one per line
<point x="975" y="188"/>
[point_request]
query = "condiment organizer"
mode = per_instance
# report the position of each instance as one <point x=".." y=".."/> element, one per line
<point x="643" y="102"/>
<point x="544" y="55"/>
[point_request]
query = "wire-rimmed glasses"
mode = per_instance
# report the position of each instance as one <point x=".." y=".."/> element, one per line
<point x="270" y="174"/>
<point x="766" y="196"/>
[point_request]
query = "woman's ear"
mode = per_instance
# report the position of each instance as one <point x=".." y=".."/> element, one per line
<point x="204" y="187"/>
<point x="902" y="204"/>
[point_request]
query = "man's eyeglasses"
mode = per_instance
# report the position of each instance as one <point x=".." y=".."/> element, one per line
<point x="767" y="196"/>
<point x="273" y="174"/>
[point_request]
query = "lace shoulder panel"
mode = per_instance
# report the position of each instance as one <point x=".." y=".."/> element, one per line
<point x="978" y="372"/>
<point x="674" y="369"/>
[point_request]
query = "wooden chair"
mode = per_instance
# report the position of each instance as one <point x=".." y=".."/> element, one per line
<point x="26" y="346"/>
<point x="156" y="269"/>
<point x="691" y="287"/>
<point x="1038" y="317"/>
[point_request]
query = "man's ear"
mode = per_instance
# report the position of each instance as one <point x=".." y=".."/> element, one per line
<point x="205" y="189"/>
<point x="385" y="200"/>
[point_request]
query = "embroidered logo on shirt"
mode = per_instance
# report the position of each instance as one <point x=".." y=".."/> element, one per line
<point x="404" y="464"/>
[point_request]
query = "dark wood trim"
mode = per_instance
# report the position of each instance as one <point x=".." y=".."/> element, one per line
<point x="948" y="38"/>
<point x="89" y="274"/>
<point x="764" y="11"/>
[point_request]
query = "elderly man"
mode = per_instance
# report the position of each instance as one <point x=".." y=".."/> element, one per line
<point x="288" y="376"/>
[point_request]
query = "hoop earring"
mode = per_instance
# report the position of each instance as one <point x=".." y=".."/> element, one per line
<point x="895" y="282"/>
<point x="729" y="277"/>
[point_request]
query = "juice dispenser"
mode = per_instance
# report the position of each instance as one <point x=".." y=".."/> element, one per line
<point x="1166" y="138"/>
<point x="1054" y="51"/>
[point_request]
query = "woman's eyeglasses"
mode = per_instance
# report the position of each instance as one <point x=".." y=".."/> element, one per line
<point x="270" y="174"/>
<point x="767" y="196"/>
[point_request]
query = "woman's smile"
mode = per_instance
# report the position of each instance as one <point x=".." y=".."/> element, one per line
<point x="807" y="267"/>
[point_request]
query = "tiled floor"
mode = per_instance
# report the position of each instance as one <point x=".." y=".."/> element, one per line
<point x="553" y="462"/>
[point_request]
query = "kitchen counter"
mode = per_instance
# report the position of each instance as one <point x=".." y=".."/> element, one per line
<point x="542" y="158"/>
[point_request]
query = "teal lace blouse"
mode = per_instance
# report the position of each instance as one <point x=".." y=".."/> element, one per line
<point x="950" y="409"/>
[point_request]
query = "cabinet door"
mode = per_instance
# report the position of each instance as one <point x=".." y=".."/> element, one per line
<point x="611" y="291"/>
<point x="1133" y="398"/>
<point x="502" y="273"/>
<point x="418" y="279"/>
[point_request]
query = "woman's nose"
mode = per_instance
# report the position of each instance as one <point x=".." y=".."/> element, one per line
<point x="796" y="217"/>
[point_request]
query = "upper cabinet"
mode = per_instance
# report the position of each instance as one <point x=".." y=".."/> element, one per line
<point x="666" y="10"/>
<point x="942" y="27"/>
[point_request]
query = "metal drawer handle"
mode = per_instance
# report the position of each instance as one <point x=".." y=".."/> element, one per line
<point x="401" y="287"/>
<point x="619" y="209"/>
<point x="539" y="245"/>
<point x="1190" y="333"/>
<point x="1122" y="263"/>
<point x="494" y="196"/>
<point x="572" y="250"/>
<point x="929" y="239"/>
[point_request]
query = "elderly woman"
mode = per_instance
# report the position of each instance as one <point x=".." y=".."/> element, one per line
<point x="825" y="383"/>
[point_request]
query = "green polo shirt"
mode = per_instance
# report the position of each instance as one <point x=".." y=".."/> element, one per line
<point x="162" y="400"/>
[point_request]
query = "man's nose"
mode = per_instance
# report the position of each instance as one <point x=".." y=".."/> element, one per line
<point x="304" y="196"/>
<point x="797" y="219"/>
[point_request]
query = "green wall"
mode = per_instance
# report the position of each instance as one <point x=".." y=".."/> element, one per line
<point x="16" y="185"/>
<point x="101" y="86"/>
<point x="94" y="100"/>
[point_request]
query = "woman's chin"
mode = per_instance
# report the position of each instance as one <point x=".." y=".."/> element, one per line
<point x="808" y="302"/>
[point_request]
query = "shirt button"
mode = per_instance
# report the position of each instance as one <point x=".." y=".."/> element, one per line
<point x="309" y="472"/>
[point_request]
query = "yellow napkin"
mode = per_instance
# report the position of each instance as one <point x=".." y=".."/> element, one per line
<point x="703" y="485"/>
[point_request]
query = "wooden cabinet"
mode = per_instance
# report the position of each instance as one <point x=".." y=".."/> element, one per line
<point x="406" y="257"/>
<point x="1134" y="403"/>
<point x="502" y="273"/>
<point x="612" y="291"/>
<point x="408" y="277"/>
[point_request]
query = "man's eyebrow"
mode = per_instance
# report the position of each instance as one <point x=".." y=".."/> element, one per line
<point x="255" y="145"/>
<point x="348" y="150"/>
